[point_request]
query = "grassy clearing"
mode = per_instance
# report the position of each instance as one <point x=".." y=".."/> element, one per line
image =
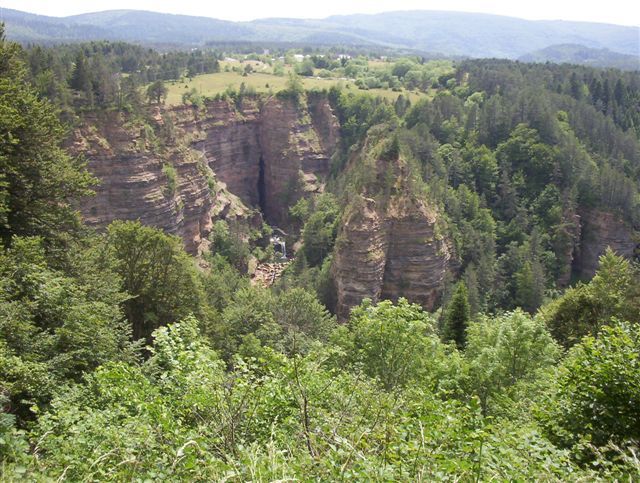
<point x="212" y="84"/>
<point x="379" y="64"/>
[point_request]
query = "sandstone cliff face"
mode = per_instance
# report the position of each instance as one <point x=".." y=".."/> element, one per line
<point x="228" y="138"/>
<point x="324" y="121"/>
<point x="294" y="160"/>
<point x="229" y="161"/>
<point x="133" y="184"/>
<point x="389" y="245"/>
<point x="360" y="257"/>
<point x="417" y="257"/>
<point x="599" y="230"/>
<point x="388" y="252"/>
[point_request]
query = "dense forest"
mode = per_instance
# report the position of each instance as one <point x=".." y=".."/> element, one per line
<point x="124" y="358"/>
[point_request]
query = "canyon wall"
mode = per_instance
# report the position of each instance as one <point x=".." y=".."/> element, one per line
<point x="228" y="138"/>
<point x="134" y="179"/>
<point x="387" y="252"/>
<point x="184" y="166"/>
<point x="295" y="160"/>
<point x="391" y="242"/>
<point x="599" y="230"/>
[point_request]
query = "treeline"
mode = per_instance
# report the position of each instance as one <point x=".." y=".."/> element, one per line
<point x="411" y="73"/>
<point x="613" y="92"/>
<point x="280" y="49"/>
<point x="109" y="74"/>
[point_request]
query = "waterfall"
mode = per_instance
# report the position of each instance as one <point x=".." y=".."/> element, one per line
<point x="279" y="245"/>
<point x="278" y="242"/>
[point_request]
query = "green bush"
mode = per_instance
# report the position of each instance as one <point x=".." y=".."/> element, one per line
<point x="614" y="292"/>
<point x="229" y="245"/>
<point x="182" y="416"/>
<point x="320" y="230"/>
<point x="156" y="272"/>
<point x="172" y="178"/>
<point x="193" y="98"/>
<point x="502" y="351"/>
<point x="290" y="322"/>
<point x="596" y="398"/>
<point x="397" y="345"/>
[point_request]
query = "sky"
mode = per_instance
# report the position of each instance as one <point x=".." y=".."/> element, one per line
<point x="622" y="12"/>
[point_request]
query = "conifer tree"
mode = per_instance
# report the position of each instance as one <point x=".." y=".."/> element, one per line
<point x="39" y="182"/>
<point x="530" y="286"/>
<point x="457" y="317"/>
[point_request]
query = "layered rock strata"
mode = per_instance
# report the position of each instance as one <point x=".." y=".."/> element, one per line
<point x="390" y="243"/>
<point x="224" y="160"/>
<point x="388" y="252"/>
<point x="134" y="180"/>
<point x="294" y="158"/>
<point x="599" y="230"/>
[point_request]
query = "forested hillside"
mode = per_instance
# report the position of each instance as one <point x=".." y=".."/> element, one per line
<point x="427" y="273"/>
<point x="422" y="31"/>
<point x="579" y="54"/>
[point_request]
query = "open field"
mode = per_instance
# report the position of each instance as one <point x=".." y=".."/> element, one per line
<point x="212" y="84"/>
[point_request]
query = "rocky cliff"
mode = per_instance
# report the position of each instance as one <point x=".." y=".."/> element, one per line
<point x="184" y="166"/>
<point x="165" y="188"/>
<point x="389" y="245"/>
<point x="388" y="252"/>
<point x="296" y="149"/>
<point x="599" y="230"/>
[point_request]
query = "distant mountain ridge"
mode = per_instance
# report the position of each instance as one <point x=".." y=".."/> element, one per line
<point x="450" y="33"/>
<point x="579" y="54"/>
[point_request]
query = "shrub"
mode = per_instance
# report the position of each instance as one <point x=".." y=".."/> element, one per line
<point x="582" y="310"/>
<point x="597" y="394"/>
<point x="172" y="179"/>
<point x="504" y="350"/>
<point x="397" y="345"/>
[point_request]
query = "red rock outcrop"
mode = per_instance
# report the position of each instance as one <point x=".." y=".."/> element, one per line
<point x="388" y="252"/>
<point x="389" y="245"/>
<point x="227" y="160"/>
<point x="360" y="257"/>
<point x="417" y="257"/>
<point x="294" y="159"/>
<point x="602" y="229"/>
<point x="228" y="137"/>
<point x="134" y="183"/>
<point x="324" y="121"/>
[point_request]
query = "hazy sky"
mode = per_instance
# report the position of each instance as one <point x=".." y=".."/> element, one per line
<point x="624" y="12"/>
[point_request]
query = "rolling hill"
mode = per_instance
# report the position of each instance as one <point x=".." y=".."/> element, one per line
<point x="449" y="33"/>
<point x="579" y="54"/>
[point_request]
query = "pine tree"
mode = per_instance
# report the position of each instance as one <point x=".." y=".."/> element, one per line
<point x="618" y="92"/>
<point x="81" y="77"/>
<point x="401" y="105"/>
<point x="457" y="317"/>
<point x="530" y="286"/>
<point x="39" y="182"/>
<point x="473" y="293"/>
<point x="576" y="87"/>
<point x="606" y="95"/>
<point x="596" y="90"/>
<point x="157" y="91"/>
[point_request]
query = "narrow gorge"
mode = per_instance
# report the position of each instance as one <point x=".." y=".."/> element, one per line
<point x="251" y="160"/>
<point x="189" y="166"/>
